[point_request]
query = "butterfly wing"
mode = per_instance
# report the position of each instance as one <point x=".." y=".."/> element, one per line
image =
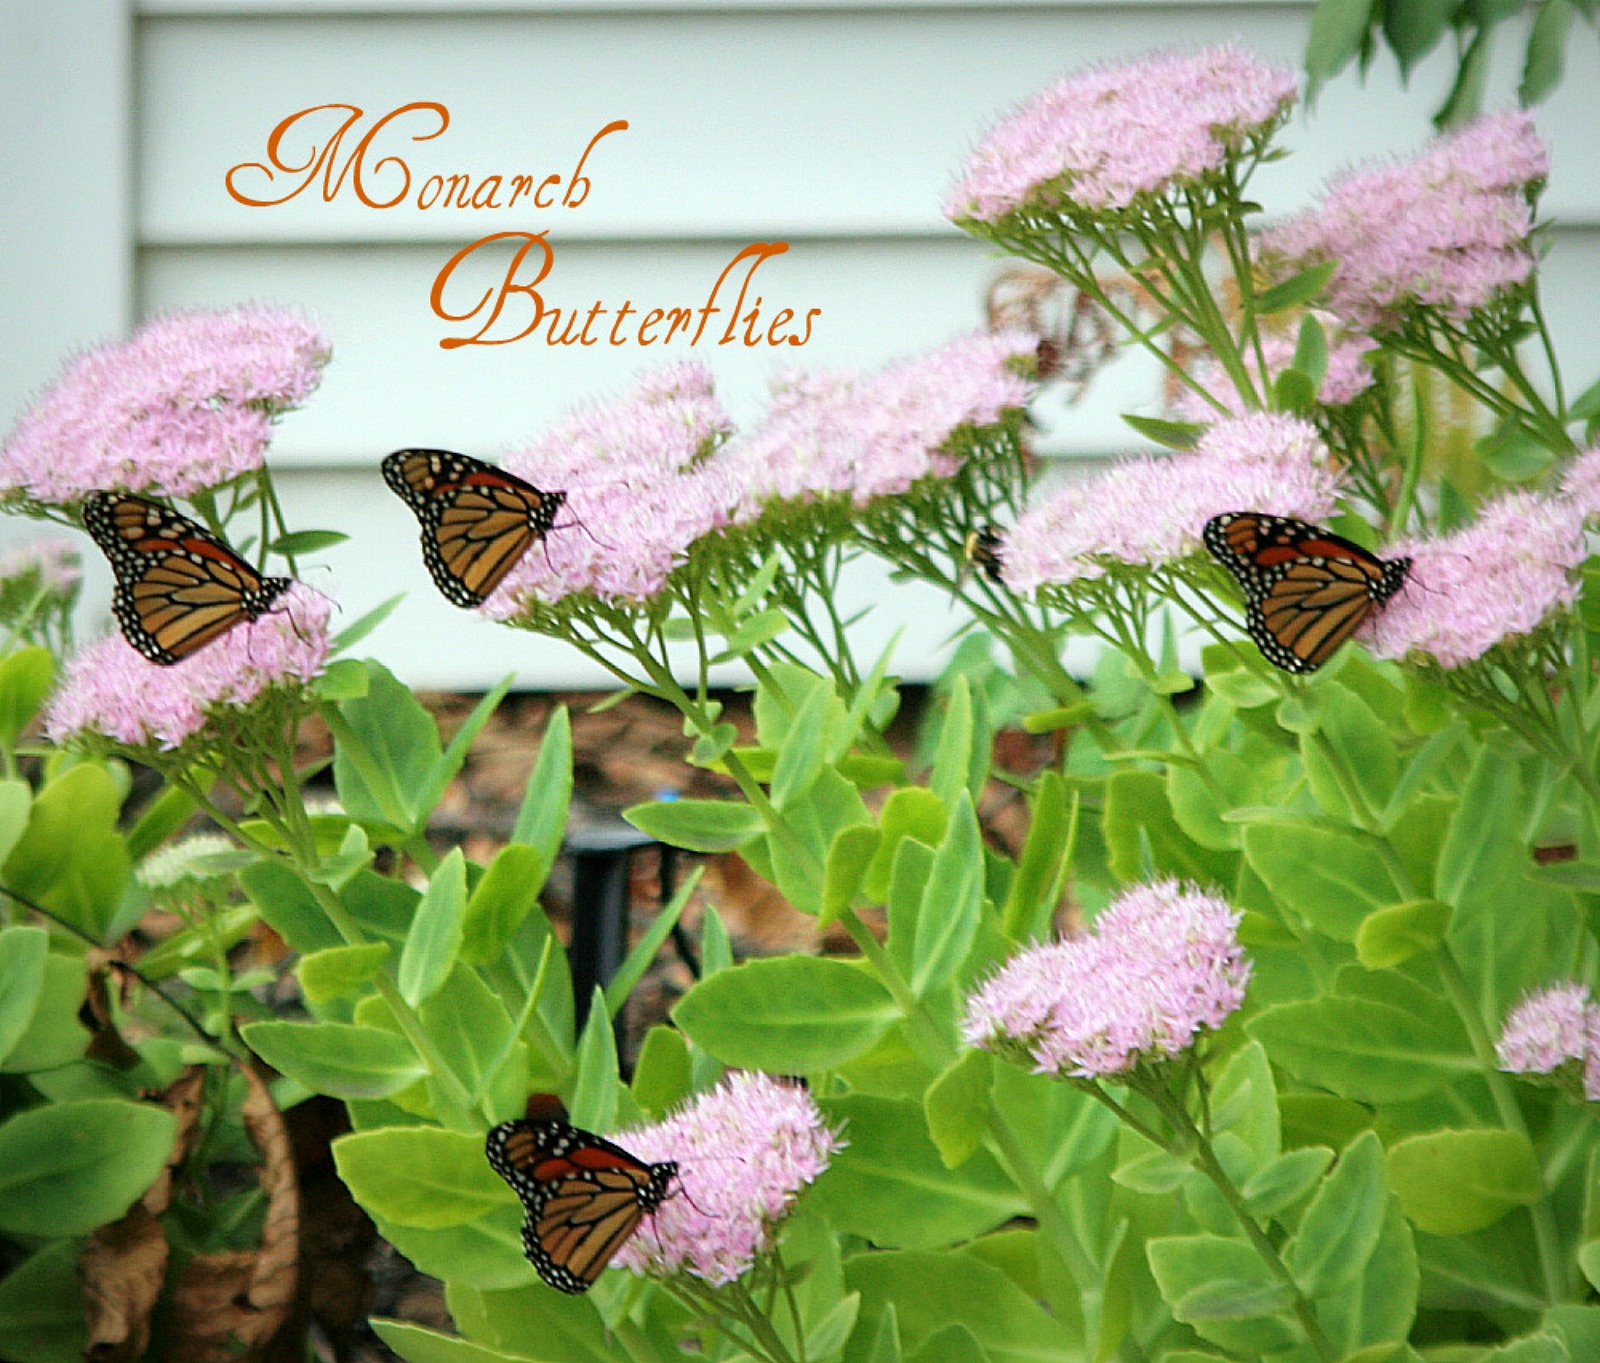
<point x="178" y="585"/>
<point x="477" y="520"/>
<point x="582" y="1196"/>
<point x="1306" y="589"/>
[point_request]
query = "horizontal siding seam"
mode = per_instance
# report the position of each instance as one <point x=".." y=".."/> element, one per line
<point x="435" y="9"/>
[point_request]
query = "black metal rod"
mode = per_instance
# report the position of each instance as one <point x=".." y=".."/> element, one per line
<point x="601" y="855"/>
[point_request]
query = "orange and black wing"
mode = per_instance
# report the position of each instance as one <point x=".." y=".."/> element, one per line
<point x="477" y="520"/>
<point x="178" y="585"/>
<point x="1306" y="589"/>
<point x="582" y="1196"/>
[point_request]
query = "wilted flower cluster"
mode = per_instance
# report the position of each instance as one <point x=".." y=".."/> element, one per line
<point x="110" y="691"/>
<point x="744" y="1151"/>
<point x="1551" y="1030"/>
<point x="1151" y="510"/>
<point x="639" y="492"/>
<point x="1501" y="576"/>
<point x="1100" y="139"/>
<point x="187" y="402"/>
<point x="875" y="436"/>
<point x="1161" y="964"/>
<point x="1448" y="231"/>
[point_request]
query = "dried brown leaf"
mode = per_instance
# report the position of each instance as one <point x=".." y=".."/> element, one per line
<point x="123" y="1265"/>
<point x="120" y="1272"/>
<point x="227" y="1306"/>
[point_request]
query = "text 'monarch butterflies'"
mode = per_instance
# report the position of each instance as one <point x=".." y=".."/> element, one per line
<point x="1306" y="589"/>
<point x="477" y="520"/>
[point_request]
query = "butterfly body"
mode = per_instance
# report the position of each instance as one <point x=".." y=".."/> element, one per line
<point x="582" y="1196"/>
<point x="178" y="585"/>
<point x="1306" y="589"/>
<point x="477" y="520"/>
<point x="983" y="550"/>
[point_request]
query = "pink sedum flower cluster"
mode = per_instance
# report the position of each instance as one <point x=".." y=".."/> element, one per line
<point x="1580" y="484"/>
<point x="1448" y="231"/>
<point x="744" y="1152"/>
<point x="875" y="436"/>
<point x="1502" y="576"/>
<point x="1099" y="140"/>
<point x="110" y="691"/>
<point x="1160" y="965"/>
<point x="1551" y="1029"/>
<point x="186" y="403"/>
<point x="639" y="486"/>
<point x="650" y="475"/>
<point x="1151" y="510"/>
<point x="54" y="558"/>
<point x="1346" y="378"/>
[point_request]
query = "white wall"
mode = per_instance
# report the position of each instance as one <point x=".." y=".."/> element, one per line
<point x="833" y="126"/>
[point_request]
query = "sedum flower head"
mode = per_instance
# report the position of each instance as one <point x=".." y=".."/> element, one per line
<point x="111" y="692"/>
<point x="1447" y="231"/>
<point x="877" y="435"/>
<point x="1347" y="376"/>
<point x="51" y="566"/>
<point x="1502" y="576"/>
<point x="1554" y="1031"/>
<point x="1545" y="1030"/>
<point x="188" y="862"/>
<point x="1580" y="484"/>
<point x="1151" y="510"/>
<point x="744" y="1151"/>
<point x="1160" y="965"/>
<point x="1103" y="138"/>
<point x="638" y="485"/>
<point x="186" y="403"/>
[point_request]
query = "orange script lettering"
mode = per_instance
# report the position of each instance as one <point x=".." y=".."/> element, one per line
<point x="576" y="325"/>
<point x="436" y="191"/>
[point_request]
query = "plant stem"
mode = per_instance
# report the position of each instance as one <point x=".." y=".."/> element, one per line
<point x="1058" y="1236"/>
<point x="1546" y="1238"/>
<point x="1194" y="1147"/>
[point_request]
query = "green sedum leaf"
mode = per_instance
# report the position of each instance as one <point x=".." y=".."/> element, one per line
<point x="956" y="1107"/>
<point x="419" y="1175"/>
<point x="499" y="902"/>
<point x="787" y="1014"/>
<point x="697" y="825"/>
<point x="1340" y="1227"/>
<point x="68" y="1167"/>
<point x="22" y="962"/>
<point x="434" y="942"/>
<point x="1220" y="1287"/>
<point x="1454" y="1182"/>
<point x="335" y="971"/>
<point x="343" y="1060"/>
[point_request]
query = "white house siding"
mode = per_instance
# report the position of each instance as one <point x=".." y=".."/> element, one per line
<point x="835" y="127"/>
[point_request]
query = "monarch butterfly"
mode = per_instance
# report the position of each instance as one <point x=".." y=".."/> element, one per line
<point x="1306" y="590"/>
<point x="178" y="585"/>
<point x="582" y="1196"/>
<point x="983" y="551"/>
<point x="477" y="520"/>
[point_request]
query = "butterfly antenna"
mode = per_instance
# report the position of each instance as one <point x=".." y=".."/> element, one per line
<point x="574" y="524"/>
<point x="681" y="1189"/>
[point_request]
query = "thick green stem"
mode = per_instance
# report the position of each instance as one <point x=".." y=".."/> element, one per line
<point x="1056" y="1232"/>
<point x="1547" y="1239"/>
<point x="1192" y="1145"/>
